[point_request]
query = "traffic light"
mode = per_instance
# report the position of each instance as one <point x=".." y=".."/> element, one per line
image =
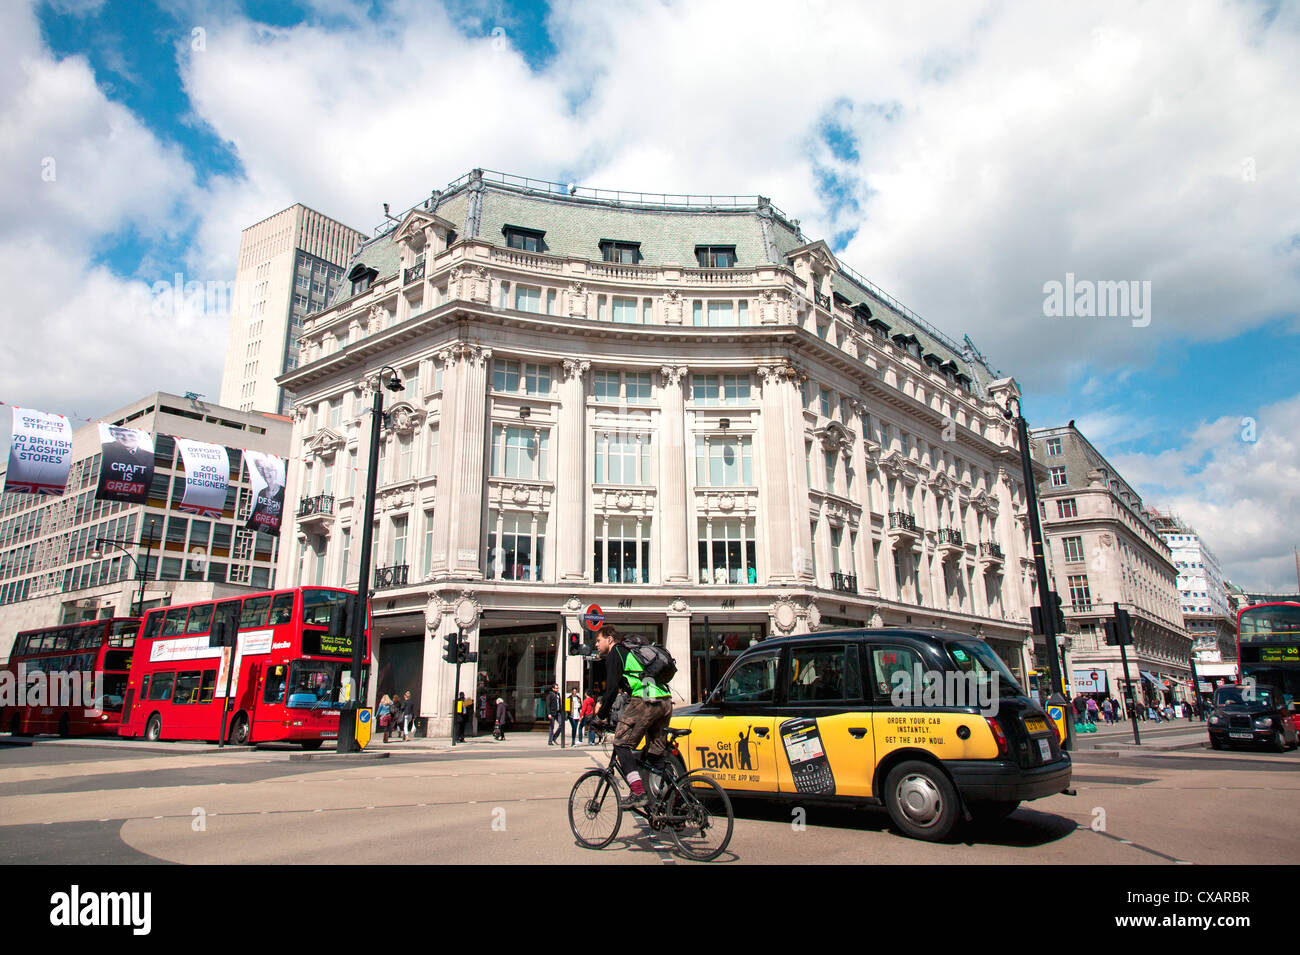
<point x="575" y="645"/>
<point x="451" y="650"/>
<point x="463" y="654"/>
<point x="720" y="644"/>
<point x="1060" y="612"/>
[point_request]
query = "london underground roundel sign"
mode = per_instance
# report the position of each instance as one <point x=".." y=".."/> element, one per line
<point x="594" y="618"/>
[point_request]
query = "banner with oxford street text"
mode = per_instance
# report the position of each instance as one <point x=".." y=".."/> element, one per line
<point x="266" y="474"/>
<point x="41" y="454"/>
<point x="126" y="464"/>
<point x="207" y="475"/>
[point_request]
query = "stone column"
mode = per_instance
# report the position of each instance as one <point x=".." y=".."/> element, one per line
<point x="442" y="619"/>
<point x="863" y="474"/>
<point x="677" y="641"/>
<point x="286" y="565"/>
<point x="676" y="525"/>
<point x="784" y="481"/>
<point x="1006" y="531"/>
<point x="462" y="463"/>
<point x="571" y="482"/>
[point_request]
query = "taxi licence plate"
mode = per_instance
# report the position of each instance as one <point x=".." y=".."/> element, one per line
<point x="1036" y="724"/>
<point x="1045" y="751"/>
<point x="1242" y="735"/>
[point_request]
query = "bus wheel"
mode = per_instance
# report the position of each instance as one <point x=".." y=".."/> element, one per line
<point x="312" y="743"/>
<point x="921" y="801"/>
<point x="239" y="730"/>
<point x="153" y="729"/>
<point x="16" y="725"/>
<point x="65" y="728"/>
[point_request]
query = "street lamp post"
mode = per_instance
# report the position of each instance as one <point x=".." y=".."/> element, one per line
<point x="347" y="741"/>
<point x="1046" y="605"/>
<point x="137" y="605"/>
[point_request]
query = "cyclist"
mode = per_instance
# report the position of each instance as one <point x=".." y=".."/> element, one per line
<point x="646" y="716"/>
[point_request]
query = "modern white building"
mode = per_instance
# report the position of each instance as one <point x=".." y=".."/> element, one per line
<point x="1202" y="591"/>
<point x="1103" y="550"/>
<point x="290" y="265"/>
<point x="679" y="409"/>
<point x="50" y="572"/>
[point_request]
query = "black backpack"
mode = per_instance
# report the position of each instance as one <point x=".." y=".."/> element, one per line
<point x="656" y="663"/>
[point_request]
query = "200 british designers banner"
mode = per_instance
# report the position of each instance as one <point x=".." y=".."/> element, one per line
<point x="207" y="475"/>
<point x="41" y="453"/>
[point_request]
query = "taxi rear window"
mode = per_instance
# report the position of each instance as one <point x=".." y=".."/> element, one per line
<point x="971" y="656"/>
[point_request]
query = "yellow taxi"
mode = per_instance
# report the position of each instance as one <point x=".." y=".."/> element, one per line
<point x="931" y="725"/>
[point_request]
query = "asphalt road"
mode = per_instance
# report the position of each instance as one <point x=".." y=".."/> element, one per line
<point x="116" y="802"/>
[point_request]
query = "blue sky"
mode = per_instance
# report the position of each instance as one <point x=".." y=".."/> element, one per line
<point x="960" y="156"/>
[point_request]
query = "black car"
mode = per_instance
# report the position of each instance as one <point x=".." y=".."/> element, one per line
<point x="1252" y="714"/>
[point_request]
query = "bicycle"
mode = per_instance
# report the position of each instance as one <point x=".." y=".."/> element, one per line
<point x="692" y="807"/>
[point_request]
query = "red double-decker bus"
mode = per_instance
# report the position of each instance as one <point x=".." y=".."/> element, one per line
<point x="69" y="679"/>
<point x="292" y="657"/>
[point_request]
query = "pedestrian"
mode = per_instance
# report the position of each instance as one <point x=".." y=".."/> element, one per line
<point x="1105" y="711"/>
<point x="386" y="716"/>
<point x="1091" y="709"/>
<point x="554" y="715"/>
<point x="458" y="720"/>
<point x="588" y="713"/>
<point x="398" y="713"/>
<point x="499" y="727"/>
<point x="573" y="705"/>
<point x="408" y="715"/>
<point x="616" y="708"/>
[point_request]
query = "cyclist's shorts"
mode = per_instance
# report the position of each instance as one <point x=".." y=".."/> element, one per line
<point x="645" y="719"/>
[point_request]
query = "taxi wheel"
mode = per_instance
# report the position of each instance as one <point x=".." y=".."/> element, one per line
<point x="1216" y="743"/>
<point x="1279" y="743"/>
<point x="922" y="801"/>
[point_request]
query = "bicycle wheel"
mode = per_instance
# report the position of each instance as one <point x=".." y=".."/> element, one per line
<point x="698" y="814"/>
<point x="594" y="812"/>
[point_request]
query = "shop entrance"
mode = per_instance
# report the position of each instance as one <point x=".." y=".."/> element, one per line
<point x="518" y="665"/>
<point x="401" y="668"/>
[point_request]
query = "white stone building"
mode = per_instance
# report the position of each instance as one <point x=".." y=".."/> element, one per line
<point x="1102" y="550"/>
<point x="1202" y="591"/>
<point x="680" y="412"/>
<point x="49" y="573"/>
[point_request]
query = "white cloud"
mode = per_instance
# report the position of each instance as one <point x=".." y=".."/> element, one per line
<point x="1242" y="496"/>
<point x="80" y="170"/>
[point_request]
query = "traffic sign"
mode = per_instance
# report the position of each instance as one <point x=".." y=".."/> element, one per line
<point x="594" y="618"/>
<point x="364" y="727"/>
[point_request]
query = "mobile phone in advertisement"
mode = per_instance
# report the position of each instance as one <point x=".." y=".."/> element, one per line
<point x="809" y="766"/>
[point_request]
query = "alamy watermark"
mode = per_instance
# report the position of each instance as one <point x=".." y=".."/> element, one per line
<point x="1085" y="298"/>
<point x="77" y="908"/>
<point x="70" y="688"/>
<point x="925" y="688"/>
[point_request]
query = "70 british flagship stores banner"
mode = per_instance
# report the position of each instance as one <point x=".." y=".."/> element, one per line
<point x="41" y="457"/>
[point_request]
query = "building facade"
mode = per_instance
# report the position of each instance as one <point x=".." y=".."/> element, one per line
<point x="290" y="265"/>
<point x="52" y="572"/>
<point x="1102" y="550"/>
<point x="693" y="417"/>
<point x="1202" y="591"/>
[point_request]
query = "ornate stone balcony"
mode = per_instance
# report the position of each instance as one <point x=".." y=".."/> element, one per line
<point x="902" y="527"/>
<point x="316" y="511"/>
<point x="950" y="543"/>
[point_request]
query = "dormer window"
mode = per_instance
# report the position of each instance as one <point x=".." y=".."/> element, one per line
<point x="909" y="344"/>
<point x="881" y="329"/>
<point x="620" y="251"/>
<point x="715" y="256"/>
<point x="361" y="277"/>
<point x="526" y="240"/>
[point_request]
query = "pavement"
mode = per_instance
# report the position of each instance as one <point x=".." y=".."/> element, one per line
<point x="1157" y="737"/>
